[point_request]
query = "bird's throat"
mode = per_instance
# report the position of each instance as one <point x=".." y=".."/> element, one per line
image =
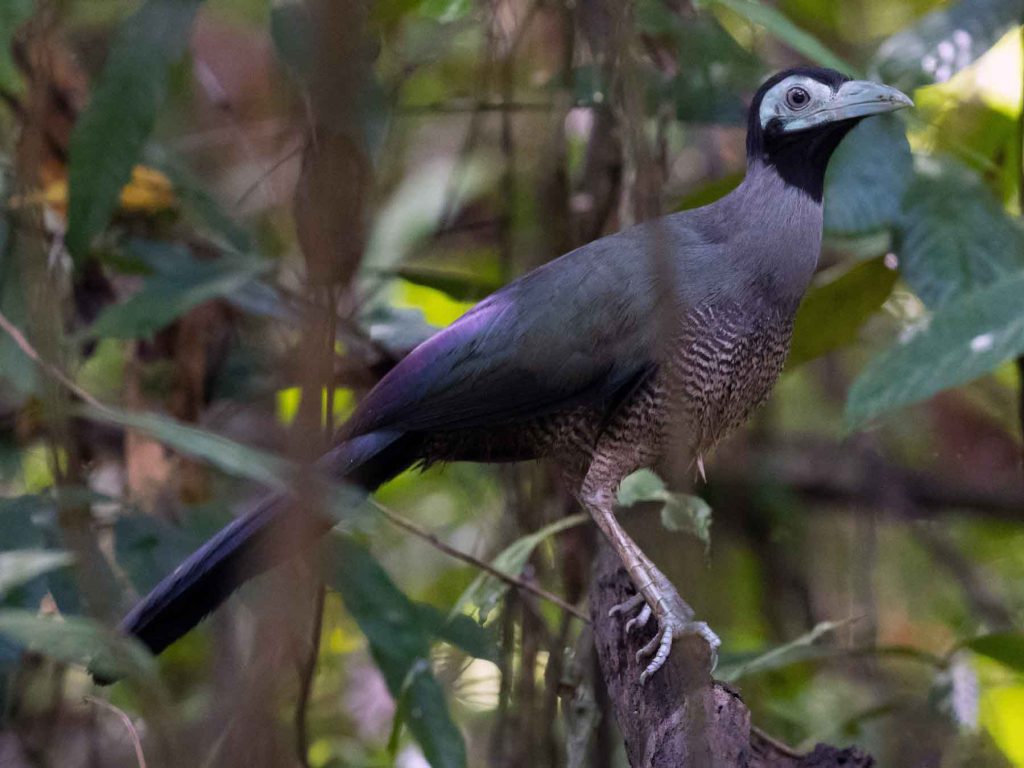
<point x="801" y="159"/>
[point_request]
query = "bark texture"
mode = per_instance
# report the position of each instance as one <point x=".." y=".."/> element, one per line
<point x="682" y="718"/>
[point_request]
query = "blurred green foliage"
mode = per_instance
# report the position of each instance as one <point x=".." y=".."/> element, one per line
<point x="868" y="590"/>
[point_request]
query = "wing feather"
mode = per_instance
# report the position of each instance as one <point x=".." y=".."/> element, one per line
<point x="575" y="331"/>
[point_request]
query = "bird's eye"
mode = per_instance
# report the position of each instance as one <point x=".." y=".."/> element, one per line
<point x="797" y="98"/>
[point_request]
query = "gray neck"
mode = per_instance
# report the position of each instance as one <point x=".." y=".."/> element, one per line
<point x="776" y="247"/>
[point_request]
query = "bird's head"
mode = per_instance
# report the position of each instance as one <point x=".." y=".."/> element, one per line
<point x="799" y="116"/>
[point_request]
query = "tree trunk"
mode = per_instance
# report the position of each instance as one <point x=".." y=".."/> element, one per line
<point x="682" y="718"/>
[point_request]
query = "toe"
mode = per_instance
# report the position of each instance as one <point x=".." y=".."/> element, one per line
<point x="664" y="648"/>
<point x="652" y="646"/>
<point x="626" y="606"/>
<point x="639" y="620"/>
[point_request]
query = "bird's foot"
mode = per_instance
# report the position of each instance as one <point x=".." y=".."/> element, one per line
<point x="675" y="620"/>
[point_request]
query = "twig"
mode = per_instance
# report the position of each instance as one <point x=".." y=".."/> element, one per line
<point x="971" y="578"/>
<point x="774" y="743"/>
<point x="136" y="742"/>
<point x="25" y="346"/>
<point x="306" y="679"/>
<point x="263" y="178"/>
<point x="514" y="581"/>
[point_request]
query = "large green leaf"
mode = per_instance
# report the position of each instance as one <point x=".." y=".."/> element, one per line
<point x="486" y="590"/>
<point x="832" y="314"/>
<point x="177" y="283"/>
<point x="868" y="177"/>
<point x="110" y="134"/>
<point x="779" y="26"/>
<point x="944" y="42"/>
<point x="963" y="339"/>
<point x="954" y="236"/>
<point x="75" y="640"/>
<point x="400" y="644"/>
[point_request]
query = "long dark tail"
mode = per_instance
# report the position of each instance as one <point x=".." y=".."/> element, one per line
<point x="255" y="541"/>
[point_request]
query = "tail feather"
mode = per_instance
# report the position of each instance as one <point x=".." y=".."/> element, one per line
<point x="255" y="541"/>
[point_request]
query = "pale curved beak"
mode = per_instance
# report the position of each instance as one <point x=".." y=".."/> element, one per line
<point x="854" y="99"/>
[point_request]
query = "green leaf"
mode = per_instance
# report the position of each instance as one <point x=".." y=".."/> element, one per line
<point x="832" y="314"/>
<point x="110" y="134"/>
<point x="642" y="485"/>
<point x="30" y="523"/>
<point x="227" y="455"/>
<point x="81" y="641"/>
<point x="178" y="282"/>
<point x="780" y="27"/>
<point x="421" y="704"/>
<point x="1005" y="647"/>
<point x="461" y="631"/>
<point x="23" y="565"/>
<point x="486" y="590"/>
<point x="804" y="648"/>
<point x="686" y="513"/>
<point x="944" y="42"/>
<point x="400" y="644"/>
<point x="868" y="177"/>
<point x="964" y="339"/>
<point x="954" y="235"/>
<point x="679" y="512"/>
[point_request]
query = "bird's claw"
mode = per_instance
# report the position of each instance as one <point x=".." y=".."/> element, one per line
<point x="669" y="630"/>
<point x="660" y="645"/>
<point x="675" y="620"/>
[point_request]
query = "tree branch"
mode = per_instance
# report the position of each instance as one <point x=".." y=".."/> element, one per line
<point x="824" y="472"/>
<point x="682" y="717"/>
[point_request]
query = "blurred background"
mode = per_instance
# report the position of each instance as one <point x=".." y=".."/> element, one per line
<point x="222" y="222"/>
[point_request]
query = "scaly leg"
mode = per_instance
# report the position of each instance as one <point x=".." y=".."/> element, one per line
<point x="655" y="592"/>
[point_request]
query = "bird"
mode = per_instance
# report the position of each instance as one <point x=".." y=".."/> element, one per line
<point x="663" y="337"/>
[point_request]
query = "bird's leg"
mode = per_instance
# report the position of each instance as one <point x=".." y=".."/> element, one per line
<point x="655" y="593"/>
